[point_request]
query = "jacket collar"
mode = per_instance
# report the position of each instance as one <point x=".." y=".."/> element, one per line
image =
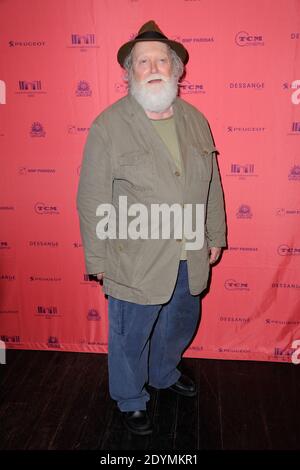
<point x="136" y="115"/>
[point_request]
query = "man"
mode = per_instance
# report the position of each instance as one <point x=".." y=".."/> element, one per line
<point x="154" y="149"/>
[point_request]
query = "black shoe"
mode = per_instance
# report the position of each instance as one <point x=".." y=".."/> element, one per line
<point x="138" y="422"/>
<point x="184" y="386"/>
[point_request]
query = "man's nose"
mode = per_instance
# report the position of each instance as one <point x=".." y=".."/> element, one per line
<point x="154" y="68"/>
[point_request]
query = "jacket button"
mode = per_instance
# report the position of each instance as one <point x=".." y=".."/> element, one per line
<point x="177" y="173"/>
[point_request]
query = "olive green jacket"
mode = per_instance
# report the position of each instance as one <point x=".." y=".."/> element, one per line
<point x="125" y="156"/>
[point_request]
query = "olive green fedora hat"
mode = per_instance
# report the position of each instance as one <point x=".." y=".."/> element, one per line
<point x="151" y="32"/>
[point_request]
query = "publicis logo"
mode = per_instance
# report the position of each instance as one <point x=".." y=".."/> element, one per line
<point x="83" y="41"/>
<point x="295" y="127"/>
<point x="243" y="39"/>
<point x="294" y="174"/>
<point x="26" y="43"/>
<point x="37" y="130"/>
<point x="25" y="85"/>
<point x="30" y="88"/>
<point x="83" y="89"/>
<point x="187" y="87"/>
<point x="10" y="339"/>
<point x="41" y="208"/>
<point x="283" y="353"/>
<point x="93" y="315"/>
<point x="2" y="92"/>
<point x="246" y="169"/>
<point x="53" y="342"/>
<point x="285" y="250"/>
<point x="232" y="284"/>
<point x="50" y="311"/>
<point x="244" y="212"/>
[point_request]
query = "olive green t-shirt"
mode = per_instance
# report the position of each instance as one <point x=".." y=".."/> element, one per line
<point x="167" y="131"/>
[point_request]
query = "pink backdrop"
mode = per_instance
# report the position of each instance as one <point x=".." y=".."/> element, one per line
<point x="58" y="70"/>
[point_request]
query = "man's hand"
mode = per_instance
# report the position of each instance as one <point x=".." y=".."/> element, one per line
<point x="100" y="276"/>
<point x="215" y="254"/>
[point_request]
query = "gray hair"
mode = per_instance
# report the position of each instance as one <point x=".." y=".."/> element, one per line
<point x="177" y="64"/>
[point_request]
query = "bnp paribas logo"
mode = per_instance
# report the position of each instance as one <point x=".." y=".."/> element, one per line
<point x="83" y="89"/>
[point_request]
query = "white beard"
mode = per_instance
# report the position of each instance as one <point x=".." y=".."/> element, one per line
<point x="154" y="97"/>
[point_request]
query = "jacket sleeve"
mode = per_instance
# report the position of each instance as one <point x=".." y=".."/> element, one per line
<point x="215" y="218"/>
<point x="95" y="187"/>
<point x="215" y="221"/>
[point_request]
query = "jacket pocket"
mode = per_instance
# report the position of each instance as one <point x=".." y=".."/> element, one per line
<point x="135" y="169"/>
<point x="202" y="158"/>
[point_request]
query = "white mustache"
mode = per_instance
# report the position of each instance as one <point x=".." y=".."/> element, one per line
<point x="155" y="76"/>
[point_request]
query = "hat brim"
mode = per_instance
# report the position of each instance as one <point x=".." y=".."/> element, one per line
<point x="125" y="50"/>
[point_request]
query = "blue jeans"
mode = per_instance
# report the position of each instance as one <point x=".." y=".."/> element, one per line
<point x="146" y="343"/>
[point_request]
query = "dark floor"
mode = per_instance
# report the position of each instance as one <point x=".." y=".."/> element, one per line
<point x="60" y="400"/>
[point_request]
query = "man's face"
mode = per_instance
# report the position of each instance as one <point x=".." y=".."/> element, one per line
<point x="151" y="80"/>
<point x="151" y="58"/>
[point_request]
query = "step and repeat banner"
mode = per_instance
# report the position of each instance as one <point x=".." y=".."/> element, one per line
<point x="58" y="71"/>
